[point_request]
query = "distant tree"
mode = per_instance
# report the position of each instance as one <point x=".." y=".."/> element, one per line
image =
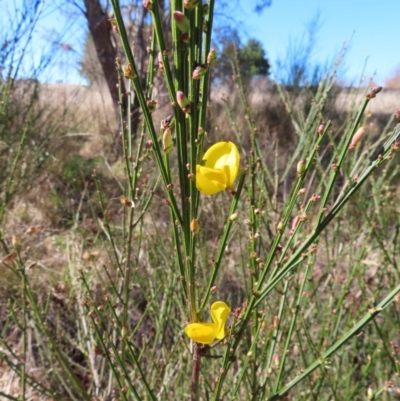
<point x="251" y="58"/>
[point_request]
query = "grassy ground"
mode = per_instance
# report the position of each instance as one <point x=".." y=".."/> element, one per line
<point x="354" y="268"/>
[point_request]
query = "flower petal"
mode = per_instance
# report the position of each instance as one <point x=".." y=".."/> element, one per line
<point x="233" y="162"/>
<point x="224" y="156"/>
<point x="210" y="181"/>
<point x="219" y="314"/>
<point x="203" y="333"/>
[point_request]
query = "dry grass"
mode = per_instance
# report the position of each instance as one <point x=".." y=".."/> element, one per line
<point x="57" y="248"/>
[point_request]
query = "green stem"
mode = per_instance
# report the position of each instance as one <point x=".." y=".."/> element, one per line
<point x="323" y="359"/>
<point x="143" y="106"/>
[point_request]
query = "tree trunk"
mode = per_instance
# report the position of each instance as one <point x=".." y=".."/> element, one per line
<point x="101" y="31"/>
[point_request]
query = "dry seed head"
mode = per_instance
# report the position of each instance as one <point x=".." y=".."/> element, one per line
<point x="16" y="242"/>
<point x="126" y="202"/>
<point x="9" y="258"/>
<point x="34" y="230"/>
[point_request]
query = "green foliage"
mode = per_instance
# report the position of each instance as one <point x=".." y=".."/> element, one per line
<point x="252" y="59"/>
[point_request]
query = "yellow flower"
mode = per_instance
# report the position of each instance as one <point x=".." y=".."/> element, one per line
<point x="206" y="333"/>
<point x="219" y="170"/>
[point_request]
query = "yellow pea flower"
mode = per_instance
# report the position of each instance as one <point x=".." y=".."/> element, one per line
<point x="219" y="170"/>
<point x="206" y="333"/>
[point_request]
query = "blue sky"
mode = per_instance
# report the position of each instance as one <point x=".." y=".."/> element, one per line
<point x="375" y="25"/>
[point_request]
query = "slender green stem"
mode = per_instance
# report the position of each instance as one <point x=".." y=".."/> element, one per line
<point x="323" y="359"/>
<point x="143" y="106"/>
<point x="223" y="242"/>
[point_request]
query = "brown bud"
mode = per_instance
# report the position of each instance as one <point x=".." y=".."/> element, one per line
<point x="9" y="258"/>
<point x="126" y="202"/>
<point x="194" y="226"/>
<point x="34" y="230"/>
<point x="373" y="92"/>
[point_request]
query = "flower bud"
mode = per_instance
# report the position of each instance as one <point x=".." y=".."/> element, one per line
<point x="373" y="92"/>
<point x="199" y="71"/>
<point x="280" y="227"/>
<point x="148" y="4"/>
<point x="370" y="393"/>
<point x="185" y="37"/>
<point x="124" y="332"/>
<point x="152" y="104"/>
<point x="16" y="242"/>
<point x="315" y="198"/>
<point x="127" y="71"/>
<point x="212" y="56"/>
<point x="190" y="4"/>
<point x="320" y="129"/>
<point x="301" y="166"/>
<point x="182" y="22"/>
<point x="167" y="140"/>
<point x="194" y="226"/>
<point x="167" y="122"/>
<point x="294" y="224"/>
<point x="113" y="22"/>
<point x="357" y="137"/>
<point x="397" y="115"/>
<point x="183" y="102"/>
<point x="233" y="217"/>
